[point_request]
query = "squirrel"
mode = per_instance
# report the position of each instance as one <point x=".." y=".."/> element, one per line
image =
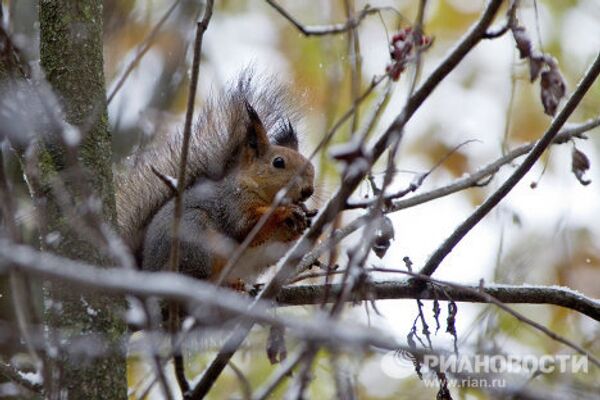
<point x="243" y="151"/>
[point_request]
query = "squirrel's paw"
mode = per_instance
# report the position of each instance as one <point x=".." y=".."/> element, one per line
<point x="237" y="285"/>
<point x="298" y="220"/>
<point x="310" y="214"/>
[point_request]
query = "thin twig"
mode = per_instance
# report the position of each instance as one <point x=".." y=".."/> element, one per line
<point x="142" y="50"/>
<point x="174" y="322"/>
<point x="156" y="359"/>
<point x="11" y="56"/>
<point x="298" y="386"/>
<point x="510" y="20"/>
<point x="283" y="372"/>
<point x="351" y="23"/>
<point x="355" y="60"/>
<point x="19" y="284"/>
<point x="244" y="383"/>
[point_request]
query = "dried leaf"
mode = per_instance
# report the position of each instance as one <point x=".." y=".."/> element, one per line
<point x="276" y="349"/>
<point x="523" y="42"/>
<point x="536" y="63"/>
<point x="413" y="345"/>
<point x="383" y="236"/>
<point x="451" y="323"/>
<point x="408" y="262"/>
<point x="580" y="163"/>
<point x="436" y="314"/>
<point x="553" y="89"/>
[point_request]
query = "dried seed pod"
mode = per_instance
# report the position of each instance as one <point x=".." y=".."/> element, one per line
<point x="402" y="48"/>
<point x="580" y="163"/>
<point x="553" y="88"/>
<point x="276" y="348"/>
<point x="383" y="236"/>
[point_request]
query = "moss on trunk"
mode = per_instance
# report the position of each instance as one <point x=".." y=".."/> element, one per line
<point x="71" y="55"/>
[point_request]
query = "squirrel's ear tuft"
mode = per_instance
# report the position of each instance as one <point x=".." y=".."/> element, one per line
<point x="285" y="135"/>
<point x="256" y="135"/>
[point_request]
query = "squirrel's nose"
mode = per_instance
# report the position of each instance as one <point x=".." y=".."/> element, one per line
<point x="306" y="192"/>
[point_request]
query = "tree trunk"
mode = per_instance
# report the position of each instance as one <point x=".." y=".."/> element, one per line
<point x="71" y="55"/>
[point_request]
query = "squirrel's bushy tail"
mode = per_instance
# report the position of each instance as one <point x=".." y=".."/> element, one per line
<point x="216" y="138"/>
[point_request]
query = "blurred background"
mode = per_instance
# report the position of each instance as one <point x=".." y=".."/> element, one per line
<point x="546" y="232"/>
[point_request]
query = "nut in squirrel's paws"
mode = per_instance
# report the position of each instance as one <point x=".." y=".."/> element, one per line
<point x="237" y="285"/>
<point x="298" y="221"/>
<point x="310" y="214"/>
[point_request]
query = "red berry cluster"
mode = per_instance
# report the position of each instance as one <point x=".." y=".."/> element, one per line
<point x="401" y="48"/>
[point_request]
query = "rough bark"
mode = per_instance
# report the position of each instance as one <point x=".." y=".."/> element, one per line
<point x="71" y="55"/>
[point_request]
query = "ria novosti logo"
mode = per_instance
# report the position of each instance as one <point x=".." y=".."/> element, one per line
<point x="400" y="364"/>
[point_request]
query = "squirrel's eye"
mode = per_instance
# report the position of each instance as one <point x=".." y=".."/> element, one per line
<point x="278" y="162"/>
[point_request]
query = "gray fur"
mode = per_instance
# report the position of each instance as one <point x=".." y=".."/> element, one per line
<point x="200" y="237"/>
<point x="216" y="137"/>
<point x="193" y="232"/>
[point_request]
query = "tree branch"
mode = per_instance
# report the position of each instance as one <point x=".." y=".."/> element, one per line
<point x="386" y="290"/>
<point x="183" y="289"/>
<point x="174" y="322"/>
<point x="142" y="50"/>
<point x="323" y="30"/>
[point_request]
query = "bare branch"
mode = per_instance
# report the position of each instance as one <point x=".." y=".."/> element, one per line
<point x="284" y="371"/>
<point x="142" y="50"/>
<point x="20" y="290"/>
<point x="187" y="131"/>
<point x="174" y="322"/>
<point x="510" y="20"/>
<point x="186" y="290"/>
<point x="351" y="23"/>
<point x="510" y="294"/>
<point x="244" y="383"/>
